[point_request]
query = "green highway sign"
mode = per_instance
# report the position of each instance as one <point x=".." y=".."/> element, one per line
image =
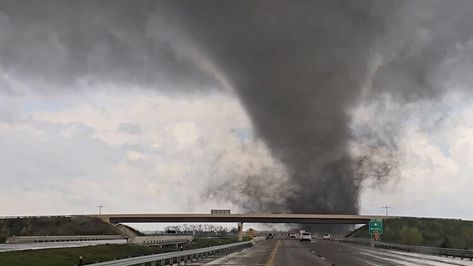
<point x="375" y="225"/>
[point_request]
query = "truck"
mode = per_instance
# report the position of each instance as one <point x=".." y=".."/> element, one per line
<point x="219" y="211"/>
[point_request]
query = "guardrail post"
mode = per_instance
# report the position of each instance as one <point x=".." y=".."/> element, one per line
<point x="163" y="263"/>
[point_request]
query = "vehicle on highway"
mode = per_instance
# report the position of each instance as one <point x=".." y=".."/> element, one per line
<point x="270" y="236"/>
<point x="326" y="237"/>
<point x="306" y="236"/>
<point x="291" y="235"/>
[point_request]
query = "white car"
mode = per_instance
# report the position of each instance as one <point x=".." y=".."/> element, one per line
<point x="326" y="237"/>
<point x="306" y="237"/>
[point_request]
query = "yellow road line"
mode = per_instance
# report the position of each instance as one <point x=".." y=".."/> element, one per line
<point x="273" y="254"/>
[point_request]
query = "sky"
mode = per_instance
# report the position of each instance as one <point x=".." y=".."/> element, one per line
<point x="136" y="150"/>
<point x="136" y="117"/>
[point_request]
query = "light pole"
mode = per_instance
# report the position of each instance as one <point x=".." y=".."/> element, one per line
<point x="100" y="208"/>
<point x="386" y="209"/>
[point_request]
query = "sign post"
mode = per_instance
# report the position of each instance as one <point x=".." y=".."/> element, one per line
<point x="375" y="229"/>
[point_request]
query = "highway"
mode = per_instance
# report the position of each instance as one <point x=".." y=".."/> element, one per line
<point x="287" y="252"/>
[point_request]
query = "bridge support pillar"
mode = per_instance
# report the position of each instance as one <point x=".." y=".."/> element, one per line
<point x="240" y="231"/>
<point x="105" y="219"/>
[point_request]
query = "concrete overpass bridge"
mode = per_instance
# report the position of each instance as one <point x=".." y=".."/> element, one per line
<point x="241" y="218"/>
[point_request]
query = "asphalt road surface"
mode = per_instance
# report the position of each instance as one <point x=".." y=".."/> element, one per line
<point x="289" y="252"/>
<point x="257" y="255"/>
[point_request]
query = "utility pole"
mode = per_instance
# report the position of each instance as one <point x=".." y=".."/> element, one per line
<point x="100" y="208"/>
<point x="386" y="209"/>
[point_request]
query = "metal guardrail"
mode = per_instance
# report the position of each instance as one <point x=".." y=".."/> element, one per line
<point x="176" y="257"/>
<point x="59" y="238"/>
<point x="160" y="240"/>
<point x="447" y="252"/>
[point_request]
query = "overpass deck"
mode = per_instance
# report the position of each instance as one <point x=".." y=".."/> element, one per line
<point x="244" y="218"/>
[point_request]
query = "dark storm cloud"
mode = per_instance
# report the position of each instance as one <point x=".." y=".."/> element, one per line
<point x="298" y="67"/>
<point x="425" y="35"/>
<point x="66" y="43"/>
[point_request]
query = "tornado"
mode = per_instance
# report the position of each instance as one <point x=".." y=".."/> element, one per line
<point x="301" y="67"/>
<point x="298" y="68"/>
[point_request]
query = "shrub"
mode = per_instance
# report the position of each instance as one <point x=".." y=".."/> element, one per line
<point x="411" y="236"/>
<point x="446" y="243"/>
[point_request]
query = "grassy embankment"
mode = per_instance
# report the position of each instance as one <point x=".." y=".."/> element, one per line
<point x="38" y="226"/>
<point x="447" y="233"/>
<point x="69" y="256"/>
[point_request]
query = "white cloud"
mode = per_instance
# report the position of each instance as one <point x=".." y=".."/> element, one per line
<point x="184" y="133"/>
<point x="76" y="155"/>
<point x="135" y="156"/>
<point x="129" y="128"/>
<point x="65" y="155"/>
<point x="435" y="166"/>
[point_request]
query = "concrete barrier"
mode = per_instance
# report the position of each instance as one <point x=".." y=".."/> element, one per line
<point x="43" y="239"/>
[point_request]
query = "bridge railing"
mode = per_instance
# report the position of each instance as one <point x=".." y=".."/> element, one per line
<point x="447" y="252"/>
<point x="178" y="256"/>
<point x="161" y="240"/>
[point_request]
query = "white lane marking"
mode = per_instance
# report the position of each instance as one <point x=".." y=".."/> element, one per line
<point x="366" y="262"/>
<point x="434" y="258"/>
<point x="397" y="262"/>
<point x="403" y="260"/>
<point x="402" y="255"/>
<point x="423" y="258"/>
